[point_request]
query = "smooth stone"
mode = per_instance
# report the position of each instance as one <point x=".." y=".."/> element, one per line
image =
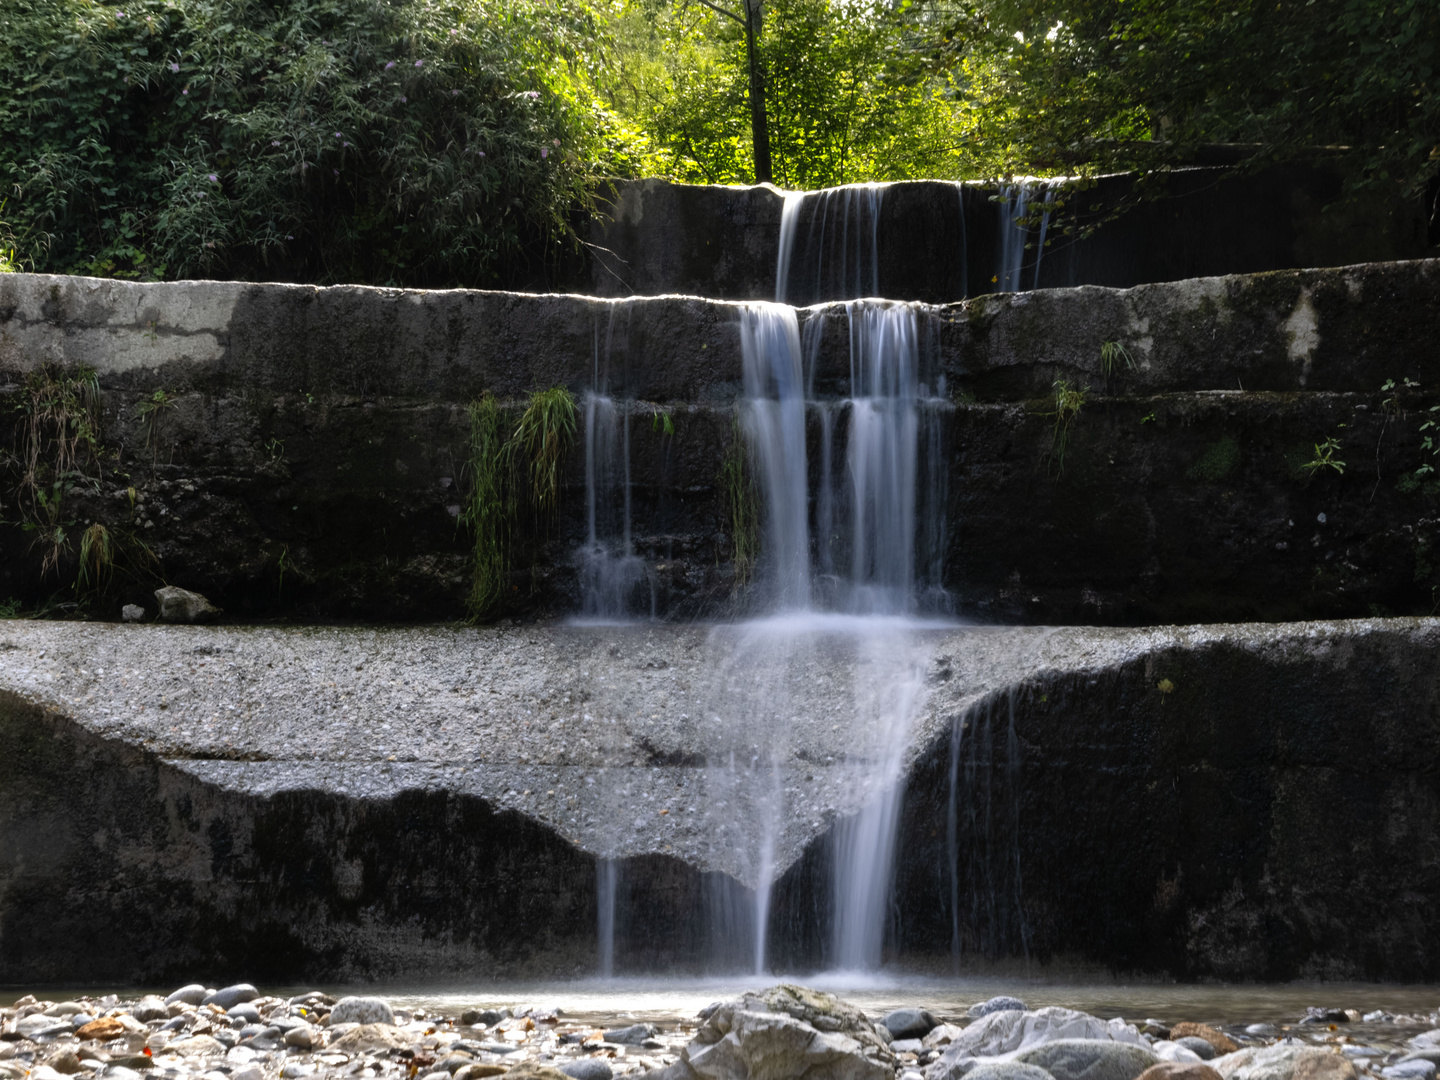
<point x="1262" y="1031"/>
<point x="295" y="1069"/>
<point x="1410" y="1069"/>
<point x="488" y="1017"/>
<point x="438" y="1074"/>
<point x="249" y="1031"/>
<point x="1089" y="1059"/>
<point x="183" y="606"/>
<point x="196" y="1046"/>
<point x="248" y="1072"/>
<point x="1166" y="1050"/>
<point x="1007" y="1070"/>
<point x="499" y="1047"/>
<point x="740" y="1043"/>
<point x="193" y="994"/>
<point x="633" y="1035"/>
<point x="1426" y="1040"/>
<point x="45" y="1072"/>
<point x="907" y="1046"/>
<point x="588" y="1069"/>
<point x="1175" y="1070"/>
<point x="64" y="1061"/>
<point x="120" y="1072"/>
<point x="1202" y="1048"/>
<point x="64" y="1009"/>
<point x="1008" y="1031"/>
<point x="369" y="1037"/>
<point x="29" y="1025"/>
<point x="1283" y="1061"/>
<point x="1217" y="1039"/>
<point x="302" y="1037"/>
<point x="1001" y="1003"/>
<point x="1315" y="1015"/>
<point x="245" y="1011"/>
<point x="231" y="996"/>
<point x="480" y="1071"/>
<point x="64" y="1027"/>
<point x="909" y="1023"/>
<point x="150" y="1008"/>
<point x="362" y="1010"/>
<point x="1418" y="1055"/>
<point x="453" y="1063"/>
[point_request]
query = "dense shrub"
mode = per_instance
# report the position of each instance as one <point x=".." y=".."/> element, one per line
<point x="383" y="141"/>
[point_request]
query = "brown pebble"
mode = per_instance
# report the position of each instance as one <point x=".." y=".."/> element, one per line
<point x="532" y="1071"/>
<point x="104" y="1029"/>
<point x="1215" y="1038"/>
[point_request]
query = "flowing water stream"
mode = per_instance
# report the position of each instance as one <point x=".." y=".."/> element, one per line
<point x="851" y="554"/>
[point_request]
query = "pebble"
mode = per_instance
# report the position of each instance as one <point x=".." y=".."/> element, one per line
<point x="1410" y="1069"/>
<point x="231" y="996"/>
<point x="193" y="994"/>
<point x="588" y="1069"/>
<point x="635" y="1034"/>
<point x="1202" y="1048"/>
<point x="362" y="1010"/>
<point x="909" y="1023"/>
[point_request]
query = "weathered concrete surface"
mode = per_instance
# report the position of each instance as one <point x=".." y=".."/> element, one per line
<point x="659" y="237"/>
<point x="340" y="803"/>
<point x="313" y="461"/>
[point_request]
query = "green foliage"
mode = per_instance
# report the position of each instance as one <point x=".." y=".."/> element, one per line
<point x="661" y="421"/>
<point x="97" y="558"/>
<point x="1428" y="444"/>
<point x="1069" y="400"/>
<point x="847" y="98"/>
<point x="1143" y="84"/>
<point x="544" y="435"/>
<point x="418" y="142"/>
<point x="534" y="450"/>
<point x="1324" y="458"/>
<point x="1217" y="462"/>
<point x="488" y="513"/>
<point x="10" y="609"/>
<point x="58" y="432"/>
<point x="1112" y="355"/>
<point x="744" y="505"/>
<point x="152" y="411"/>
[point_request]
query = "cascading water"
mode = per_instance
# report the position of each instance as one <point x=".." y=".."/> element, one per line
<point x="1015" y="233"/>
<point x="829" y="245"/>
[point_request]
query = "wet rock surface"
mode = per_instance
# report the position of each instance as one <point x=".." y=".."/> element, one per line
<point x="299" y="787"/>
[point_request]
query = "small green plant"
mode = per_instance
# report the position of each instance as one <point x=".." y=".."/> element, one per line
<point x="487" y="511"/>
<point x="1069" y="400"/>
<point x="661" y="421"/>
<point x="544" y="435"/>
<point x="1428" y="445"/>
<point x="740" y="498"/>
<point x="1147" y="418"/>
<point x="46" y="522"/>
<point x="1112" y="355"/>
<point x="152" y="411"/>
<point x="10" y="609"/>
<point x="276" y="449"/>
<point x="59" y="428"/>
<point x="97" y="558"/>
<point x="1325" y="458"/>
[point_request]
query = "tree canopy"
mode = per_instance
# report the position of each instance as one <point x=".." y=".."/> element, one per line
<point x="435" y="142"/>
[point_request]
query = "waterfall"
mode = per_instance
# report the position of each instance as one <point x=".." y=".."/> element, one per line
<point x="607" y="877"/>
<point x="1015" y="232"/>
<point x="829" y="245"/>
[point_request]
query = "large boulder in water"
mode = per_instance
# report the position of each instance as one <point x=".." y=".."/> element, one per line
<point x="1089" y="1059"/>
<point x="1010" y="1030"/>
<point x="784" y="1033"/>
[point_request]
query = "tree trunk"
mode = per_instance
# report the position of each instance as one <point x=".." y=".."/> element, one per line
<point x="759" y="127"/>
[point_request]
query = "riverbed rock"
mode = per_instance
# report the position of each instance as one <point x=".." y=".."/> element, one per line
<point x="481" y="1070"/>
<point x="1010" y="1030"/>
<point x="634" y="1035"/>
<point x="150" y="1007"/>
<point x="1202" y="1048"/>
<point x="1414" y="1068"/>
<point x="362" y="1010"/>
<point x="532" y="1071"/>
<point x="909" y="1023"/>
<point x="1284" y="1061"/>
<point x="182" y="606"/>
<point x="64" y="1061"/>
<point x="588" y="1069"/>
<point x="1001" y="1003"/>
<point x="193" y="994"/>
<point x="230" y="996"/>
<point x="1175" y="1070"/>
<point x="1222" y="1043"/>
<point x="1005" y="1070"/>
<point x="369" y="1037"/>
<point x="196" y="1046"/>
<point x="1089" y="1059"/>
<point x="302" y="1037"/>
<point x="63" y="1010"/>
<point x="103" y="1030"/>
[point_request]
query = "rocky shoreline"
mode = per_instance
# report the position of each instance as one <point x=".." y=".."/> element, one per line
<point x="238" y="1033"/>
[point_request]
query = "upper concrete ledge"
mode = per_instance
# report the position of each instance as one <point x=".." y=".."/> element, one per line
<point x="1345" y="329"/>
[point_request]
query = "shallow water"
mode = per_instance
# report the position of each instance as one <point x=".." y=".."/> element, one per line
<point x="667" y="1002"/>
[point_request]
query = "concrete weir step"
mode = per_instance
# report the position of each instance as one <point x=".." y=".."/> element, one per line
<point x="311" y="461"/>
<point x="342" y="803"/>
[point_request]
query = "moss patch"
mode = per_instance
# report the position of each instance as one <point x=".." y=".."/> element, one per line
<point x="1219" y="460"/>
